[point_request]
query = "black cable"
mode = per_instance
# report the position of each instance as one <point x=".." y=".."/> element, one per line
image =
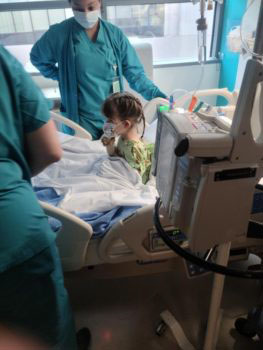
<point x="196" y="260"/>
<point x="259" y="187"/>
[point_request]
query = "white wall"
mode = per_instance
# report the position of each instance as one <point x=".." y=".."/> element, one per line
<point x="43" y="82"/>
<point x="187" y="77"/>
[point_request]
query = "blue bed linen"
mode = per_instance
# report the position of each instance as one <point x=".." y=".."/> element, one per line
<point x="48" y="194"/>
<point x="101" y="222"/>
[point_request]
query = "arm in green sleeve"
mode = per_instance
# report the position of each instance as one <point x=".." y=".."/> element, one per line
<point x="31" y="102"/>
<point x="134" y="72"/>
<point x="43" y="55"/>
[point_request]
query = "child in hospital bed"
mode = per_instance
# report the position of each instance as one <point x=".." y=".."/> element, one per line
<point x="124" y="113"/>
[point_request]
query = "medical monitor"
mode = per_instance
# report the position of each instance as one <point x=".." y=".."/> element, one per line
<point x="177" y="177"/>
<point x="166" y="139"/>
<point x="205" y="195"/>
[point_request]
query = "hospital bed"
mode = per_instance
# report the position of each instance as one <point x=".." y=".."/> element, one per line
<point x="124" y="242"/>
<point x="132" y="238"/>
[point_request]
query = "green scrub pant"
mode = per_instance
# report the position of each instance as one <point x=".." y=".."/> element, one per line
<point x="34" y="302"/>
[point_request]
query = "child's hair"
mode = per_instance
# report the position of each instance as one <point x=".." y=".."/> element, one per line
<point x="126" y="106"/>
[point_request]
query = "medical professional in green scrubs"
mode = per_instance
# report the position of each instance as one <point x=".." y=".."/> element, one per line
<point x="89" y="57"/>
<point x="33" y="300"/>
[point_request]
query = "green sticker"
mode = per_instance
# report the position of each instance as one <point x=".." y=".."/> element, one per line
<point x="164" y="108"/>
<point x="116" y="85"/>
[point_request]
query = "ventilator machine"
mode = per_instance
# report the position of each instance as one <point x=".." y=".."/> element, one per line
<point x="206" y="171"/>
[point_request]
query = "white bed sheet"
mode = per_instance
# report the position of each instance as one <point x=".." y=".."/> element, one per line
<point x="90" y="180"/>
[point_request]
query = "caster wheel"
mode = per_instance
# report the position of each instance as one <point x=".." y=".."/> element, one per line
<point x="161" y="328"/>
<point x="240" y="326"/>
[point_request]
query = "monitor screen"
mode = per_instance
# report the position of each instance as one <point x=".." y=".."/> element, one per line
<point x="166" y="159"/>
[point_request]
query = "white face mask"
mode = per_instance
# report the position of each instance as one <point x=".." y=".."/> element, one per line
<point x="87" y="20"/>
<point x="109" y="129"/>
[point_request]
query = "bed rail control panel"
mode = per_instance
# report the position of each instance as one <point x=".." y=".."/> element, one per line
<point x="156" y="244"/>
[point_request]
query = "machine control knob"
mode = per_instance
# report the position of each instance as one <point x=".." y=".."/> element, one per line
<point x="182" y="148"/>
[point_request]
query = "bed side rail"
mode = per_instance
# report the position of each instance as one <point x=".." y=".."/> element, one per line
<point x="149" y="108"/>
<point x="72" y="238"/>
<point x="134" y="232"/>
<point x="231" y="97"/>
<point x="79" y="131"/>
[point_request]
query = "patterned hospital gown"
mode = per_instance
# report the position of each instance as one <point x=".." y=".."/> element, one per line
<point x="138" y="155"/>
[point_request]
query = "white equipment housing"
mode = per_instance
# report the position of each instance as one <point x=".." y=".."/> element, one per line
<point x="206" y="176"/>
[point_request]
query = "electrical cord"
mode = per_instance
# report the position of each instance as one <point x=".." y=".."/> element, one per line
<point x="196" y="260"/>
<point x="259" y="187"/>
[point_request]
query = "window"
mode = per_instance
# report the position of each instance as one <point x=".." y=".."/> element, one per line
<point x="170" y="28"/>
<point x="24" y="24"/>
<point x="25" y="27"/>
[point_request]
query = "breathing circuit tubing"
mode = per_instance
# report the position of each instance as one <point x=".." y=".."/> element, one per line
<point x="196" y="260"/>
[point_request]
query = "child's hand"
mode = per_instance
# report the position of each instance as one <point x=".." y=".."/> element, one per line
<point x="106" y="141"/>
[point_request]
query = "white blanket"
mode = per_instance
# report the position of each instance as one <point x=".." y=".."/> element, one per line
<point x="90" y="180"/>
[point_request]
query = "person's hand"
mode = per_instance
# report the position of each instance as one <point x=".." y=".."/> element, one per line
<point x="107" y="141"/>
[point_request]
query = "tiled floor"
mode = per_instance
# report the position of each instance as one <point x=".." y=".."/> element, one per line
<point x="122" y="312"/>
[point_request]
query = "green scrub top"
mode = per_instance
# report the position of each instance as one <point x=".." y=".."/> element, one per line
<point x="96" y="68"/>
<point x="54" y="55"/>
<point x="24" y="227"/>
